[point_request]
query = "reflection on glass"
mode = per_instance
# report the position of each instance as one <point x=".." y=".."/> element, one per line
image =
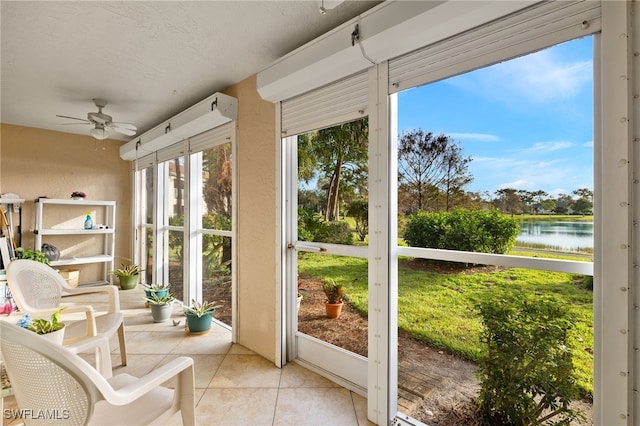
<point x="176" y="263"/>
<point x="147" y="253"/>
<point x="147" y="199"/>
<point x="175" y="192"/>
<point x="217" y="249"/>
<point x="216" y="189"/>
<point x="216" y="285"/>
<point x="349" y="331"/>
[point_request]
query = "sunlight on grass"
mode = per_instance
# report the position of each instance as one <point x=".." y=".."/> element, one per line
<point x="440" y="308"/>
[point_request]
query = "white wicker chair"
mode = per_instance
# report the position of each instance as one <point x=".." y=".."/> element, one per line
<point x="49" y="379"/>
<point x="37" y="289"/>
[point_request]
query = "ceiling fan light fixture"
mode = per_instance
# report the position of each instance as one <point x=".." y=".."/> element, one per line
<point x="99" y="132"/>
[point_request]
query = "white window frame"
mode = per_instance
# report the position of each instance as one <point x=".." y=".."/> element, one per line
<point x="616" y="370"/>
<point x="190" y="149"/>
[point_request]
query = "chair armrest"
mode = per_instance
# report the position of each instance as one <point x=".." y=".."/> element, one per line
<point x="90" y="318"/>
<point x="149" y="382"/>
<point x="114" y="300"/>
<point x="101" y="345"/>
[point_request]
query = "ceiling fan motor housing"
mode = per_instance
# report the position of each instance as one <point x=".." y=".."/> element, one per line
<point x="98" y="117"/>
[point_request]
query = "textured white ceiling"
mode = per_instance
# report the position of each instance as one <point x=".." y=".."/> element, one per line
<point x="149" y="60"/>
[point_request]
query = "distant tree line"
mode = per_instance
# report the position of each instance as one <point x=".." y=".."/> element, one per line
<point x="433" y="176"/>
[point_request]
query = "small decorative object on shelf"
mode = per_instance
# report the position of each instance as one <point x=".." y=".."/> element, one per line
<point x="88" y="222"/>
<point x="50" y="251"/>
<point x="77" y="195"/>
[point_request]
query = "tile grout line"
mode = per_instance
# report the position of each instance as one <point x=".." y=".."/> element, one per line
<point x="275" y="406"/>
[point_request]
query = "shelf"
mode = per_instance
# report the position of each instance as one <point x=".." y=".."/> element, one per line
<point x="72" y="231"/>
<point x="86" y="241"/>
<point x="71" y="202"/>
<point x="82" y="260"/>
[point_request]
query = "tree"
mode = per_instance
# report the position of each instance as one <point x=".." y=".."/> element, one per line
<point x="217" y="181"/>
<point x="508" y="201"/>
<point x="538" y="200"/>
<point x="338" y="154"/>
<point x="359" y="210"/>
<point x="429" y="165"/>
<point x="563" y="203"/>
<point x="216" y="192"/>
<point x="527" y="200"/>
<point x="584" y="203"/>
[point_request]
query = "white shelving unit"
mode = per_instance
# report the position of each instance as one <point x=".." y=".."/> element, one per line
<point x="73" y="226"/>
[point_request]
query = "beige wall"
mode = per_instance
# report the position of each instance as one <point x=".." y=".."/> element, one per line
<point x="257" y="220"/>
<point x="37" y="162"/>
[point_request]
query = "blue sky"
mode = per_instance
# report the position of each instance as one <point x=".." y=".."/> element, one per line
<point x="527" y="123"/>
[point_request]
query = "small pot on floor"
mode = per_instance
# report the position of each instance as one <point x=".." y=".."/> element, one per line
<point x="128" y="283"/>
<point x="333" y="309"/>
<point x="198" y="324"/>
<point x="161" y="313"/>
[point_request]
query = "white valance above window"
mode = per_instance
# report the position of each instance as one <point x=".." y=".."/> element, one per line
<point x="342" y="101"/>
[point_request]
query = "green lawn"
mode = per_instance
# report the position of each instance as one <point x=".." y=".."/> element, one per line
<point x="440" y="308"/>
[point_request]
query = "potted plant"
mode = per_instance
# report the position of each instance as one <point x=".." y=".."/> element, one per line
<point x="199" y="315"/>
<point x="161" y="306"/>
<point x="128" y="276"/>
<point x="159" y="289"/>
<point x="335" y="294"/>
<point x="52" y="329"/>
<point x="36" y="255"/>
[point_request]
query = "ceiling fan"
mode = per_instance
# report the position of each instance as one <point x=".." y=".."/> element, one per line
<point x="102" y="122"/>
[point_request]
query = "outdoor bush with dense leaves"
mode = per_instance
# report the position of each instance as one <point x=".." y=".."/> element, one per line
<point x="311" y="227"/>
<point x="465" y="230"/>
<point x="359" y="210"/>
<point x="526" y="374"/>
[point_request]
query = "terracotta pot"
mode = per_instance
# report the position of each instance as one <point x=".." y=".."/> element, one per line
<point x="333" y="309"/>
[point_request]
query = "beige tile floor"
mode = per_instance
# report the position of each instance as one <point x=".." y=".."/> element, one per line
<point x="234" y="386"/>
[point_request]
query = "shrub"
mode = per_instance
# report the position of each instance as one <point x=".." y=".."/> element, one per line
<point x="465" y="230"/>
<point x="526" y="374"/>
<point x="309" y="223"/>
<point x="311" y="227"/>
<point x="337" y="232"/>
<point x="359" y="210"/>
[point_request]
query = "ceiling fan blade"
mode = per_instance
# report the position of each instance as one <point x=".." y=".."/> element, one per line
<point x="124" y="131"/>
<point x="73" y="118"/>
<point x="128" y="126"/>
<point x="83" y="124"/>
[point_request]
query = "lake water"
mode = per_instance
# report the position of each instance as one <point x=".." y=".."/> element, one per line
<point x="559" y="234"/>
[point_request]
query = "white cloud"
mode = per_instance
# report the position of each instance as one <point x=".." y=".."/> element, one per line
<point x="557" y="191"/>
<point x="481" y="137"/>
<point x="540" y="77"/>
<point x="588" y="144"/>
<point x="549" y="146"/>
<point x="517" y="184"/>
